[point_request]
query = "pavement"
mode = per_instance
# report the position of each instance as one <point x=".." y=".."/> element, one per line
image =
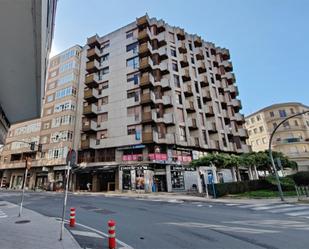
<point x="31" y="231"/>
<point x="168" y="222"/>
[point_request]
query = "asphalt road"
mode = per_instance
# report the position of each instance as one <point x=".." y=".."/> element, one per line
<point x="146" y="224"/>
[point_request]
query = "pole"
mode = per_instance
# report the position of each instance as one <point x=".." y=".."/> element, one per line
<point x="65" y="199"/>
<point x="23" y="192"/>
<point x="271" y="154"/>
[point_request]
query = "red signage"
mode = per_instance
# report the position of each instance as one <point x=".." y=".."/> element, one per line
<point x="132" y="157"/>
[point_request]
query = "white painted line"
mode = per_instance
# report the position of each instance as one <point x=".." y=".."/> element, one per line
<point x="298" y="213"/>
<point x="3" y="216"/>
<point x="273" y="207"/>
<point x="175" y="201"/>
<point x="232" y="204"/>
<point x="254" y="205"/>
<point x="199" y="205"/>
<point x="86" y="234"/>
<point x="291" y="209"/>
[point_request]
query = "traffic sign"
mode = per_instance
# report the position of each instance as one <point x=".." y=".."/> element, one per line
<point x="71" y="157"/>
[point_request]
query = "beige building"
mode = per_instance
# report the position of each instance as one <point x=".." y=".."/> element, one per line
<point x="155" y="98"/>
<point x="23" y="67"/>
<point x="55" y="130"/>
<point x="292" y="138"/>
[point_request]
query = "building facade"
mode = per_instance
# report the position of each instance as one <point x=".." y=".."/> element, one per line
<point x="155" y="98"/>
<point x="24" y="67"/>
<point x="292" y="138"/>
<point x="56" y="129"/>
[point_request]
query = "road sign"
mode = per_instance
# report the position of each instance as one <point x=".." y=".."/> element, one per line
<point x="71" y="157"/>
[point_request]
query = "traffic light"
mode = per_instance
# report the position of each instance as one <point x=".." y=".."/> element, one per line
<point x="39" y="147"/>
<point x="32" y="145"/>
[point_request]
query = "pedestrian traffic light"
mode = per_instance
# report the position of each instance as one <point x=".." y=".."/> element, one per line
<point x="32" y="145"/>
<point x="39" y="147"/>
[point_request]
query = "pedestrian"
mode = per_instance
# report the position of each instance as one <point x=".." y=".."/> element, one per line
<point x="88" y="186"/>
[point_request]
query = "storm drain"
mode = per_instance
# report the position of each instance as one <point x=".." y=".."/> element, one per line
<point x="22" y="221"/>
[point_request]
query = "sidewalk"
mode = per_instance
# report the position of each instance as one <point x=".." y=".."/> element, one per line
<point x="40" y="232"/>
<point x="187" y="197"/>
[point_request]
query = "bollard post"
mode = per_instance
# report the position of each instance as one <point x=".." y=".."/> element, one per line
<point x="72" y="217"/>
<point x="111" y="234"/>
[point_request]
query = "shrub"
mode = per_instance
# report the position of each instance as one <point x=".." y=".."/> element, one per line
<point x="301" y="178"/>
<point x="287" y="183"/>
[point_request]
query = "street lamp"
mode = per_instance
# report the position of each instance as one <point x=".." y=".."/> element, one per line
<point x="271" y="154"/>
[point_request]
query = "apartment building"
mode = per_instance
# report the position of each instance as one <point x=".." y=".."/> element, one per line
<point x="56" y="129"/>
<point x="155" y="98"/>
<point x="292" y="138"/>
<point x="23" y="67"/>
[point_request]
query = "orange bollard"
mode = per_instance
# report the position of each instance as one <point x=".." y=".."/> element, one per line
<point x="111" y="234"/>
<point x="72" y="217"/>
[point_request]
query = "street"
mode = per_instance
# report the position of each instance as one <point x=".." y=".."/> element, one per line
<point x="143" y="223"/>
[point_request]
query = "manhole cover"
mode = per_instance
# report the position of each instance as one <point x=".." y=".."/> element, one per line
<point x="22" y="221"/>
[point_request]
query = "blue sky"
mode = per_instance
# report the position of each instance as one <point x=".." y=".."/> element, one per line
<point x="268" y="39"/>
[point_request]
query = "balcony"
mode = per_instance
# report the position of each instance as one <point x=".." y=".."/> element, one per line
<point x="93" y="54"/>
<point x="182" y="48"/>
<point x="183" y="60"/>
<point x="235" y="103"/>
<point x="92" y="80"/>
<point x="92" y="66"/>
<point x="147" y="137"/>
<point x="188" y="90"/>
<point x="211" y="126"/>
<point x="180" y="34"/>
<point x="91" y="95"/>
<point x="242" y="133"/>
<point x="163" y="67"/>
<point x="209" y="111"/>
<point x="146" y="80"/>
<point x="168" y="119"/>
<point x="200" y="55"/>
<point x="228" y="67"/>
<point x="230" y="77"/>
<point x="147" y="98"/>
<point x="167" y="101"/>
<point x="162" y="52"/>
<point x="203" y="80"/>
<point x="190" y="107"/>
<point x="144" y="35"/>
<point x="89" y="126"/>
<point x="165" y="84"/>
<point x="142" y="21"/>
<point x="214" y="144"/>
<point x="161" y="38"/>
<point x="197" y="41"/>
<point x="240" y="119"/>
<point x="206" y="96"/>
<point x="186" y="76"/>
<point x="148" y="117"/>
<point x="93" y="41"/>
<point x="145" y="64"/>
<point x="222" y="98"/>
<point x="225" y="54"/>
<point x="192" y="124"/>
<point x="90" y="110"/>
<point x="144" y="49"/>
<point x="201" y="67"/>
<point x="233" y="89"/>
<point x="89" y="143"/>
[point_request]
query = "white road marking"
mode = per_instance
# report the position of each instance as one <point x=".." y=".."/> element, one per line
<point x="199" y="205"/>
<point x="253" y="205"/>
<point x="298" y="213"/>
<point x="86" y="234"/>
<point x="175" y="201"/>
<point x="232" y="204"/>
<point x="291" y="209"/>
<point x="272" y="207"/>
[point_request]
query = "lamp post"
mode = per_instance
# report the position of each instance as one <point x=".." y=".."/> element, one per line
<point x="271" y="154"/>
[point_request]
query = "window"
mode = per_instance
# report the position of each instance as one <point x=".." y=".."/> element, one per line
<point x="134" y="112"/>
<point x="102" y="134"/>
<point x="57" y="153"/>
<point x="261" y="128"/>
<point x="258" y="142"/>
<point x="173" y="52"/>
<point x="129" y="34"/>
<point x="53" y="74"/>
<point x="133" y="62"/>
<point x="190" y="45"/>
<point x="50" y="98"/>
<point x="295" y="122"/>
<point x="286" y="124"/>
<point x="68" y="66"/>
<point x="131" y="130"/>
<point x="292" y="111"/>
<point x="199" y="103"/>
<point x="51" y="85"/>
<point x="205" y="137"/>
<point x="176" y="80"/>
<point x="175" y="66"/>
<point x="264" y="140"/>
<point x="104" y="58"/>
<point x="104" y="71"/>
<point x="255" y="130"/>
<point x="182" y="132"/>
<point x="133" y="94"/>
<point x="282" y="113"/>
<point x="65" y="92"/>
<point x="48" y="111"/>
<point x="171" y="37"/>
<point x="104" y="85"/>
<point x="271" y="114"/>
<point x="196" y="87"/>
<point x="104" y="45"/>
<point x="250" y="132"/>
<point x="274" y="125"/>
<point x="68" y="105"/>
<point x="179" y="98"/>
<point x="224" y="141"/>
<point x="103" y="117"/>
<point x="252" y="120"/>
<point x="104" y="100"/>
<point x="180" y="115"/>
<point x="207" y="54"/>
<point x="202" y="119"/>
<point x="133" y="47"/>
<point x="61" y="136"/>
<point x="66" y="79"/>
<point x="133" y="77"/>
<point x="192" y="60"/>
<point x="67" y="55"/>
<point x="258" y="117"/>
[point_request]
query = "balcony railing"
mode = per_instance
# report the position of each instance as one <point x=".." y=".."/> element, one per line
<point x="147" y="137"/>
<point x="186" y="76"/>
<point x="91" y="95"/>
<point x="92" y="66"/>
<point x="91" y="80"/>
<point x="182" y="48"/>
<point x="197" y="41"/>
<point x="90" y="110"/>
<point x="146" y="80"/>
<point x="93" y="53"/>
<point x="89" y="126"/>
<point x="93" y="41"/>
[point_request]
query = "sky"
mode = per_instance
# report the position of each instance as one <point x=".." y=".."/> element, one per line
<point x="268" y="39"/>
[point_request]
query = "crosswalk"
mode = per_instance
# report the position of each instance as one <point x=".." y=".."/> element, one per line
<point x="2" y="214"/>
<point x="292" y="210"/>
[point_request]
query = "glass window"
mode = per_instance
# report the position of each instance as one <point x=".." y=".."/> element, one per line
<point x="66" y="79"/>
<point x="295" y="122"/>
<point x="282" y="113"/>
<point x="176" y="80"/>
<point x="205" y="137"/>
<point x="131" y="130"/>
<point x="261" y="128"/>
<point x="104" y="71"/>
<point x="272" y="114"/>
<point x="129" y="34"/>
<point x="258" y="117"/>
<point x="133" y="77"/>
<point x="133" y="47"/>
<point x="50" y="98"/>
<point x="182" y="132"/>
<point x="133" y="62"/>
<point x="104" y="57"/>
<point x="175" y="66"/>
<point x="292" y="111"/>
<point x="190" y="45"/>
<point x="173" y="52"/>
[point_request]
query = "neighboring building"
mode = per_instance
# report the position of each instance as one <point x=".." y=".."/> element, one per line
<point x="26" y="29"/>
<point x="155" y="97"/>
<point x="292" y="138"/>
<point x="56" y="130"/>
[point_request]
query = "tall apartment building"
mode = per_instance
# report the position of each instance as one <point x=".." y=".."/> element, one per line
<point x="55" y="130"/>
<point x="155" y="98"/>
<point x="292" y="138"/>
<point x="23" y="67"/>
